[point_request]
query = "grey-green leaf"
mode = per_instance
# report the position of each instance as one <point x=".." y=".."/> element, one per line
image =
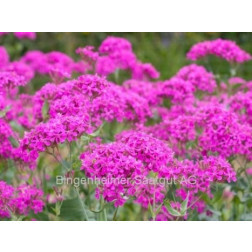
<point x="97" y="132"/>
<point x="151" y="210"/>
<point x="45" y="110"/>
<point x="158" y="209"/>
<point x="4" y="111"/>
<point x="71" y="209"/>
<point x="184" y="205"/>
<point x="171" y="210"/>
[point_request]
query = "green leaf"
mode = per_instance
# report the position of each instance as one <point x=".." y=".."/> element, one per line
<point x="57" y="208"/>
<point x="30" y="180"/>
<point x="151" y="210"/>
<point x="76" y="165"/>
<point x="103" y="205"/>
<point x="236" y="86"/>
<point x="17" y="127"/>
<point x="232" y="158"/>
<point x="216" y="212"/>
<point x="217" y="196"/>
<point x="246" y="217"/>
<point x="206" y="198"/>
<point x="13" y="141"/>
<point x="171" y="210"/>
<point x="158" y="209"/>
<point x="4" y="111"/>
<point x="97" y="132"/>
<point x="40" y="216"/>
<point x="97" y="211"/>
<point x="72" y="210"/>
<point x="45" y="110"/>
<point x="85" y="138"/>
<point x="183" y="207"/>
<point x="191" y="144"/>
<point x="237" y="200"/>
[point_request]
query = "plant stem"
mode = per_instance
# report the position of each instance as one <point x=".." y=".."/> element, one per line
<point x="82" y="204"/>
<point x="154" y="201"/>
<point x="103" y="213"/>
<point x="115" y="213"/>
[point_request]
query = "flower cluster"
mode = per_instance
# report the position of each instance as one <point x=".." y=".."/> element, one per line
<point x="21" y="35"/>
<point x="176" y="89"/>
<point x="241" y="104"/>
<point x="19" y="200"/>
<point x="5" y="133"/>
<point x="124" y="163"/>
<point x="55" y="64"/>
<point x="10" y="80"/>
<point x="155" y="154"/>
<point x="114" y="162"/>
<point x="148" y="155"/>
<point x="198" y="76"/>
<point x="12" y="74"/>
<point x="4" y="57"/>
<point x="52" y="133"/>
<point x="87" y="53"/>
<point x="225" y="49"/>
<point x="115" y="54"/>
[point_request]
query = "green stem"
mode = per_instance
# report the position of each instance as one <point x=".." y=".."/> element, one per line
<point x="70" y="154"/>
<point x="115" y="213"/>
<point x="154" y="201"/>
<point x="82" y="204"/>
<point x="103" y="213"/>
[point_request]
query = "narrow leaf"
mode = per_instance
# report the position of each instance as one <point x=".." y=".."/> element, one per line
<point x="45" y="109"/>
<point x="184" y="204"/>
<point x="4" y="111"/>
<point x="171" y="210"/>
<point x="97" y="132"/>
<point x="158" y="209"/>
<point x="151" y="210"/>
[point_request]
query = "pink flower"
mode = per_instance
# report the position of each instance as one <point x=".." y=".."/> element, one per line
<point x="20" y="200"/>
<point x="114" y="44"/>
<point x="28" y="35"/>
<point x="199" y="77"/>
<point x="249" y="171"/>
<point x="236" y="80"/>
<point x="225" y="49"/>
<point x="4" y="57"/>
<point x="87" y="53"/>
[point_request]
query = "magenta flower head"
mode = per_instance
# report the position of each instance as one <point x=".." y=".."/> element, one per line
<point x="20" y="200"/>
<point x="141" y="71"/>
<point x="27" y="35"/>
<point x="10" y="80"/>
<point x="88" y="54"/>
<point x="114" y="164"/>
<point x="221" y="48"/>
<point x="198" y="76"/>
<point x="3" y="33"/>
<point x="114" y="44"/>
<point x="249" y="171"/>
<point x="4" y="57"/>
<point x="91" y="85"/>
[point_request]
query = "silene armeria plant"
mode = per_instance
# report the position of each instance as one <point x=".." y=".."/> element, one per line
<point x="92" y="144"/>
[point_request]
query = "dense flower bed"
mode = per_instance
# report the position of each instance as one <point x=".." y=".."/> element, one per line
<point x="176" y="149"/>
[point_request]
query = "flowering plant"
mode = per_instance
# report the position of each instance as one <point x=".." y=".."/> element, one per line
<point x="86" y="146"/>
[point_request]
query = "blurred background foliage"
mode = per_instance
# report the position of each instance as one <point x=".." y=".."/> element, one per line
<point x="166" y="51"/>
